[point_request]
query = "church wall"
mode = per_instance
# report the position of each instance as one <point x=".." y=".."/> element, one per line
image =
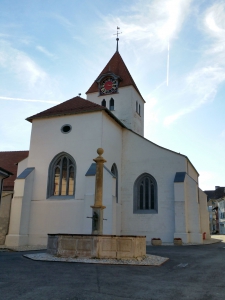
<point x="22" y="165"/>
<point x="140" y="156"/>
<point x="47" y="141"/>
<point x="54" y="216"/>
<point x="89" y="132"/>
<point x="125" y="107"/>
<point x="192" y="199"/>
<point x="112" y="143"/>
<point x="191" y="171"/>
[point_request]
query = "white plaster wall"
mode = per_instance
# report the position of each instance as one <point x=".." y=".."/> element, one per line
<point x="112" y="143"/>
<point x="22" y="165"/>
<point x="20" y="212"/>
<point x="191" y="171"/>
<point x="125" y="107"/>
<point x="194" y="227"/>
<point x="89" y="132"/>
<point x="81" y="143"/>
<point x="140" y="156"/>
<point x="54" y="216"/>
<point x="204" y="214"/>
<point x="89" y="199"/>
<point x="180" y="207"/>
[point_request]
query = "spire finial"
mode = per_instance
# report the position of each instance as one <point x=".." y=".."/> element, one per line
<point x="117" y="39"/>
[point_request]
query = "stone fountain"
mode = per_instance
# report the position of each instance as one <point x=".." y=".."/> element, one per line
<point x="97" y="245"/>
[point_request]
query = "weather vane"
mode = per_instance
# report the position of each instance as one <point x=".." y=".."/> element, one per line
<point x="117" y="39"/>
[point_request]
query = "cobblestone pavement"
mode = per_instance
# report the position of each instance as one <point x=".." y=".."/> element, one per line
<point x="194" y="272"/>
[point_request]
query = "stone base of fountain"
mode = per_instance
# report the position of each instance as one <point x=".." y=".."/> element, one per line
<point x="97" y="246"/>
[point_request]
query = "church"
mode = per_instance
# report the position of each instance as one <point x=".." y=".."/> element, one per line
<point x="147" y="189"/>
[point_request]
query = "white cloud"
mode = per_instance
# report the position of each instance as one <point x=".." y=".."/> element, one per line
<point x="21" y="64"/>
<point x="27" y="77"/>
<point x="152" y="24"/>
<point x="151" y="115"/>
<point x="27" y="100"/>
<point x="201" y="85"/>
<point x="63" y="21"/>
<point x="214" y="19"/>
<point x="46" y="52"/>
<point x="206" y="178"/>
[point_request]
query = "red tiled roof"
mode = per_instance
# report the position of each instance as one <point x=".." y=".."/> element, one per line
<point x="8" y="161"/>
<point x="117" y="66"/>
<point x="75" y="105"/>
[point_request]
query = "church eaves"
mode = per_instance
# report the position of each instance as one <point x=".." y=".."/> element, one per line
<point x="117" y="66"/>
<point x="76" y="105"/>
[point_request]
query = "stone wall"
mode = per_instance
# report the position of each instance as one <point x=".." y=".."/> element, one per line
<point x="5" y="215"/>
<point x="97" y="246"/>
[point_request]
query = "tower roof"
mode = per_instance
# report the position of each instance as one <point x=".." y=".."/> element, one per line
<point x="117" y="66"/>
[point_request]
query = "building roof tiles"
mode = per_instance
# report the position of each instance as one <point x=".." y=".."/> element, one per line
<point x="72" y="106"/>
<point x="8" y="161"/>
<point x="117" y="66"/>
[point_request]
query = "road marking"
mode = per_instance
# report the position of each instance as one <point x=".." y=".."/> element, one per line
<point x="182" y="265"/>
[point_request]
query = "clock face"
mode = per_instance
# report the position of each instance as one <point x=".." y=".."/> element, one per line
<point x="108" y="86"/>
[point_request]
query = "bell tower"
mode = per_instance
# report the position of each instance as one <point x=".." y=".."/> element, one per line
<point x="115" y="89"/>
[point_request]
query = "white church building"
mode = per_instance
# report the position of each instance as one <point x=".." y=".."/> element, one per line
<point x="147" y="189"/>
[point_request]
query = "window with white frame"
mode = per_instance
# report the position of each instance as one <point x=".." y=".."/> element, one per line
<point x="61" y="176"/>
<point x="145" y="194"/>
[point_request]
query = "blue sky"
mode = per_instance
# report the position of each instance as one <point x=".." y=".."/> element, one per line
<point x="52" y="50"/>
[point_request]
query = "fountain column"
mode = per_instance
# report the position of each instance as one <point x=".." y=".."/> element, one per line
<point x="97" y="208"/>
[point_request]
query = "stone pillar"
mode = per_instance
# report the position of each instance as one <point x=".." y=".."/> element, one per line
<point x="97" y="208"/>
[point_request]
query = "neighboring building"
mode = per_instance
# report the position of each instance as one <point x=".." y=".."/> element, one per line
<point x="9" y="161"/>
<point x="4" y="203"/>
<point x="216" y="203"/>
<point x="147" y="189"/>
<point x="8" y="166"/>
<point x="3" y="175"/>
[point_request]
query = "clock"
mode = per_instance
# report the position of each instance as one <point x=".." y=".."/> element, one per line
<point x="108" y="86"/>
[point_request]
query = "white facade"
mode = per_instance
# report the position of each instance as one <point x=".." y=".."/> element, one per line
<point x="221" y="215"/>
<point x="125" y="102"/>
<point x="180" y="207"/>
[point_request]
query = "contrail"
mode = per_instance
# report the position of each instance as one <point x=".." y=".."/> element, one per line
<point x="168" y="64"/>
<point x="28" y="100"/>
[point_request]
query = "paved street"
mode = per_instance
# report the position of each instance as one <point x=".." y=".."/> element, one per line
<point x="193" y="272"/>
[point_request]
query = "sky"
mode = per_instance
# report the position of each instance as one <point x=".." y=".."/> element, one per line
<point x="52" y="50"/>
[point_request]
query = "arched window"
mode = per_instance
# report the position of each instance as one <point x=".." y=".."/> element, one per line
<point x="61" y="176"/>
<point x="145" y="194"/>
<point x="111" y="104"/>
<point x="115" y="173"/>
<point x="104" y="103"/>
<point x="139" y="110"/>
<point x="136" y="107"/>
